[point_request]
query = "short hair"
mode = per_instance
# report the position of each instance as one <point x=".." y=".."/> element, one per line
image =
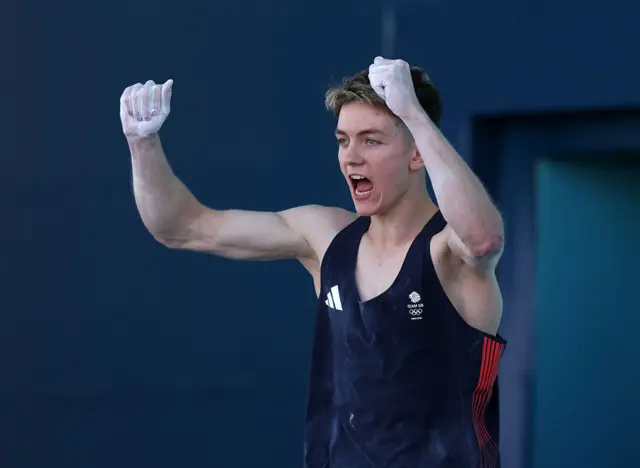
<point x="357" y="88"/>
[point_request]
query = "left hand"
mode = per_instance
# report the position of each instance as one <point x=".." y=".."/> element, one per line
<point x="391" y="79"/>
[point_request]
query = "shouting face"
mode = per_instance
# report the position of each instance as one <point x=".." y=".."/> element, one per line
<point x="377" y="157"/>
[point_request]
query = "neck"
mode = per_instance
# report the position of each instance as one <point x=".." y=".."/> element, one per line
<point x="404" y="221"/>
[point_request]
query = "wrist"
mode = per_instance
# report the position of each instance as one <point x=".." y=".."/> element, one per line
<point x="417" y="118"/>
<point x="142" y="143"/>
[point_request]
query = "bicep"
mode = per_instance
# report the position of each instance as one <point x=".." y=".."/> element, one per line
<point x="479" y="299"/>
<point x="301" y="233"/>
<point x="247" y="235"/>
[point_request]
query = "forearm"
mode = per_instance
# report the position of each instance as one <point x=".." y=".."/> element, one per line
<point x="462" y="199"/>
<point x="164" y="202"/>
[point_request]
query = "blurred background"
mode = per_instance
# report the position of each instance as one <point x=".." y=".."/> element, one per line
<point x="116" y="352"/>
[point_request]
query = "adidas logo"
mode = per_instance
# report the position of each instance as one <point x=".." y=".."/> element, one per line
<point x="333" y="299"/>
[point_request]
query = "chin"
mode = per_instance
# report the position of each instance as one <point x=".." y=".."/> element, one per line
<point x="364" y="211"/>
<point x="367" y="207"/>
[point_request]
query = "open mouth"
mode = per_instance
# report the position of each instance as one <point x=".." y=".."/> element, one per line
<point x="361" y="185"/>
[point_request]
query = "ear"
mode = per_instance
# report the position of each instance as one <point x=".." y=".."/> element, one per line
<point x="415" y="162"/>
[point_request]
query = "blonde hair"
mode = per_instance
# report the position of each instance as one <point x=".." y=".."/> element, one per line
<point x="357" y="88"/>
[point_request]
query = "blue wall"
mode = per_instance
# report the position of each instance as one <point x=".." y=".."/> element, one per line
<point x="586" y="385"/>
<point x="117" y="352"/>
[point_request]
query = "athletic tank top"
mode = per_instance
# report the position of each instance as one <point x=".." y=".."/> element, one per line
<point x="398" y="381"/>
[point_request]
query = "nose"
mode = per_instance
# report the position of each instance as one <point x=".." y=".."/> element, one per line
<point x="352" y="157"/>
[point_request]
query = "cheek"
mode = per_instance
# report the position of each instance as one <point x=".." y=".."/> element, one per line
<point x="341" y="161"/>
<point x="393" y="173"/>
<point x="390" y="165"/>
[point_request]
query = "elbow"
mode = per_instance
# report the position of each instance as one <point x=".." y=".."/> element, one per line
<point x="176" y="238"/>
<point x="168" y="238"/>
<point x="489" y="247"/>
<point x="482" y="246"/>
<point x="488" y="241"/>
<point x="491" y="242"/>
<point x="169" y="242"/>
<point x="175" y="232"/>
<point x="163" y="238"/>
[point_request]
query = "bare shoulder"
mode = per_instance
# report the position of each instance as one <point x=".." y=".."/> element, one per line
<point x="318" y="224"/>
<point x="474" y="292"/>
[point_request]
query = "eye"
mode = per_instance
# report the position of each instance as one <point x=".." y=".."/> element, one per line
<point x="370" y="142"/>
<point x="343" y="142"/>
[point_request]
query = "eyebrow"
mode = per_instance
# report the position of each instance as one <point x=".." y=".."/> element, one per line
<point x="368" y="131"/>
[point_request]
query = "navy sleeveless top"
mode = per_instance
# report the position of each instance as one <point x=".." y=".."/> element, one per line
<point x="401" y="380"/>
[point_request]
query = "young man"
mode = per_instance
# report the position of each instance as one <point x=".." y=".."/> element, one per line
<point x="406" y="349"/>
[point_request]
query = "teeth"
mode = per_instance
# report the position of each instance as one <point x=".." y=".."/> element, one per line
<point x="358" y="192"/>
<point x="356" y="177"/>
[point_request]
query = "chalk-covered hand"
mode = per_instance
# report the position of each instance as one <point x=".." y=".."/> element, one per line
<point x="143" y="109"/>
<point x="391" y="80"/>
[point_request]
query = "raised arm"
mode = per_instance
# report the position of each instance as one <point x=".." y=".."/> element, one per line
<point x="174" y="216"/>
<point x="475" y="230"/>
<point x="466" y="252"/>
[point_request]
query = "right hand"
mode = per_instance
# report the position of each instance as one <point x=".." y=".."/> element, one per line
<point x="143" y="109"/>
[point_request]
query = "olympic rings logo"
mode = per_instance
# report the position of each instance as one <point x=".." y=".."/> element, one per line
<point x="415" y="312"/>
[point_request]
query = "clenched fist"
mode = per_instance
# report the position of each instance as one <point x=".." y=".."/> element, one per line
<point x="391" y="80"/>
<point x="143" y="109"/>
